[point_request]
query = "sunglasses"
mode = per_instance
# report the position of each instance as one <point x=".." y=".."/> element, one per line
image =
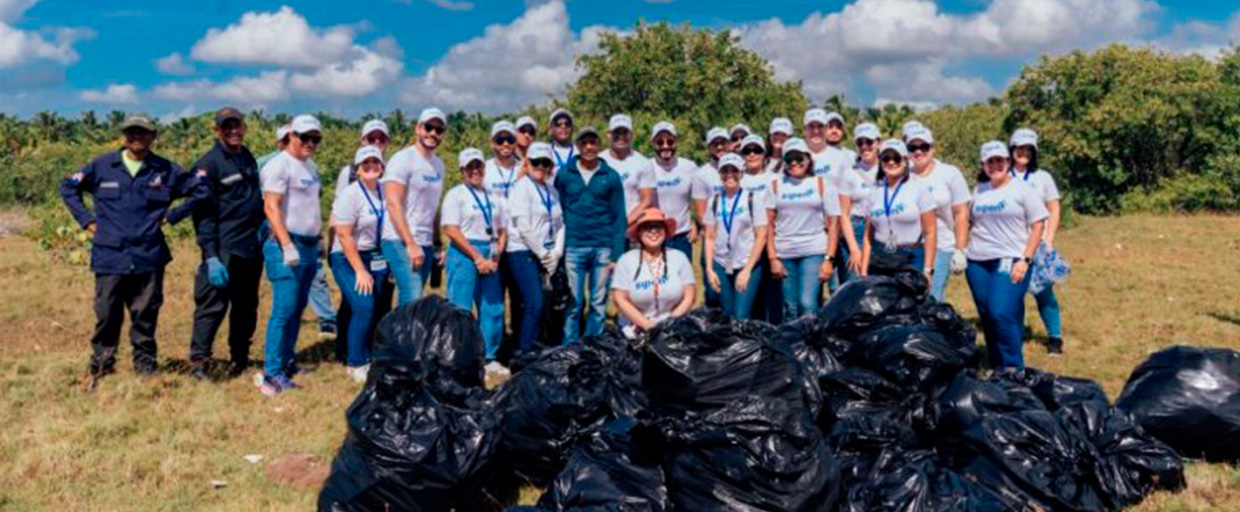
<point x="526" y="130"/>
<point x="739" y="137"/>
<point x="562" y="124"/>
<point x="865" y="142"/>
<point x="501" y="140"/>
<point x="890" y="159"/>
<point x="752" y="150"/>
<point x="665" y="143"/>
<point x="919" y="148"/>
<point x="795" y="158"/>
<point x="541" y="163"/>
<point x="435" y="128"/>
<point x="310" y="139"/>
<point x="376" y="139"/>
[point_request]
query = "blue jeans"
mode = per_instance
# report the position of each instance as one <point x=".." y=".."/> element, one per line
<point x="362" y="319"/>
<point x="290" y="291"/>
<point x="841" y="272"/>
<point x="582" y="263"/>
<point x="409" y="282"/>
<point x="1001" y="307"/>
<point x="680" y="243"/>
<point x="802" y="288"/>
<point x="942" y="271"/>
<point x="467" y="288"/>
<point x="1048" y="308"/>
<point x="737" y="305"/>
<point x="915" y="255"/>
<point x="526" y="273"/>
<point x="321" y="298"/>
<point x="771" y="308"/>
<point x="712" y="298"/>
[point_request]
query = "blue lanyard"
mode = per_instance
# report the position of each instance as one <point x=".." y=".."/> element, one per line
<point x="559" y="164"/>
<point x="1013" y="171"/>
<point x="731" y="216"/>
<point x="512" y="173"/>
<point x="548" y="202"/>
<point x="379" y="212"/>
<point x="486" y="210"/>
<point x="887" y="202"/>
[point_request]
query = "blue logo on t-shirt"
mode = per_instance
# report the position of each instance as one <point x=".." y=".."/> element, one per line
<point x="648" y="284"/>
<point x="432" y="178"/>
<point x="896" y="209"/>
<point x="793" y="196"/>
<point x="675" y="182"/>
<point x="990" y="208"/>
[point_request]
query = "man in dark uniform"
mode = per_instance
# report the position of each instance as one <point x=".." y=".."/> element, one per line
<point x="227" y="224"/>
<point x="133" y="189"/>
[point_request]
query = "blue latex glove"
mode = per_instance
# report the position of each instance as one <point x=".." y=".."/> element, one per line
<point x="217" y="275"/>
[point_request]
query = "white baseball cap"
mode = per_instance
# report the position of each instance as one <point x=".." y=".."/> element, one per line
<point x="815" y="115"/>
<point x="993" y="149"/>
<point x="910" y="126"/>
<point x="796" y="144"/>
<point x="896" y="145"/>
<point x="365" y="153"/>
<point x="502" y="126"/>
<point x="834" y="116"/>
<point x="754" y="140"/>
<point x="558" y="113"/>
<point x="740" y="127"/>
<point x="716" y="133"/>
<point x="282" y="132"/>
<point x="305" y="123"/>
<point x="663" y="126"/>
<point x="781" y="125"/>
<point x="866" y="131"/>
<point x="919" y="132"/>
<point x="732" y="159"/>
<point x="375" y="125"/>
<point x="539" y="150"/>
<point x="468" y="156"/>
<point x="620" y="121"/>
<point x="1024" y="137"/>
<point x="524" y="121"/>
<point x="430" y="114"/>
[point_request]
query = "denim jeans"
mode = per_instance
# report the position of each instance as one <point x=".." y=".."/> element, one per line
<point x="737" y="305"/>
<point x="771" y="306"/>
<point x="942" y="271"/>
<point x="582" y="264"/>
<point x="363" y="317"/>
<point x="527" y="276"/>
<point x="409" y="282"/>
<point x="680" y="243"/>
<point x="1001" y="307"/>
<point x="290" y="292"/>
<point x="321" y="298"/>
<point x="841" y="272"/>
<point x="802" y="288"/>
<point x="1048" y="308"/>
<point x="467" y="288"/>
<point x="712" y="298"/>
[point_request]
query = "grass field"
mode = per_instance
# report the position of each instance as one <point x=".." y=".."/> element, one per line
<point x="171" y="443"/>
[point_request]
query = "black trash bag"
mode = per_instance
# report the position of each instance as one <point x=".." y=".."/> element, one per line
<point x="912" y="481"/>
<point x="863" y="432"/>
<point x="865" y="303"/>
<point x="1188" y="397"/>
<point x="705" y="361"/>
<point x="852" y="385"/>
<point x="1134" y="463"/>
<point x="557" y="299"/>
<point x="432" y="341"/>
<point x="968" y="399"/>
<point x="616" y="470"/>
<point x="564" y="394"/>
<point x="743" y="457"/>
<point x="960" y="333"/>
<point x="914" y="356"/>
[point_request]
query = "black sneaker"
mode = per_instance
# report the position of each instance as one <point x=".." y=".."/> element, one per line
<point x="238" y="367"/>
<point x="201" y="371"/>
<point x="1054" y="346"/>
<point x="97" y="369"/>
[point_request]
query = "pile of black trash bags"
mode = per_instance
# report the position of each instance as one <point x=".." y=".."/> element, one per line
<point x="876" y="403"/>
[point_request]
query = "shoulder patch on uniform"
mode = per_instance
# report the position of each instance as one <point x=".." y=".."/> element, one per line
<point x="77" y="177"/>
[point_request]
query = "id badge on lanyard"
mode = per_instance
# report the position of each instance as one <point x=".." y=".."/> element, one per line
<point x="377" y="263"/>
<point x="1005" y="266"/>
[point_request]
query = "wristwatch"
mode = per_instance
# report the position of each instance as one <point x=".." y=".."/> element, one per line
<point x="1027" y="260"/>
<point x="831" y="260"/>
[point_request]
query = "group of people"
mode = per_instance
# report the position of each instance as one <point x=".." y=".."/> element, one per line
<point x="780" y="218"/>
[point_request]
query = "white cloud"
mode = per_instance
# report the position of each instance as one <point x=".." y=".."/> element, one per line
<point x="1209" y="40"/>
<point x="18" y="46"/>
<point x="925" y="82"/>
<point x="266" y="88"/>
<point x="10" y="10"/>
<point x="174" y="65"/>
<point x="453" y="5"/>
<point x="527" y="60"/>
<point x="172" y="117"/>
<point x="917" y="106"/>
<point x="282" y="38"/>
<point x="363" y="75"/>
<point x="115" y="94"/>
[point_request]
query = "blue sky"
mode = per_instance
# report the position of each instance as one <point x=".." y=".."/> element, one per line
<point x="177" y="58"/>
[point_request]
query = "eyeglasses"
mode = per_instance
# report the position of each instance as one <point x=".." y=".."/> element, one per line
<point x="501" y="140"/>
<point x="892" y="159"/>
<point x="865" y="142"/>
<point x="795" y="158"/>
<point x="376" y="139"/>
<point x="527" y="130"/>
<point x="313" y="140"/>
<point x="919" y="148"/>
<point x="752" y="150"/>
<point x="665" y="143"/>
<point x="541" y="163"/>
<point x="435" y="128"/>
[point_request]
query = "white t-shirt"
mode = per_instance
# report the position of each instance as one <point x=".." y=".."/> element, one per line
<point x="1041" y="181"/>
<point x="342" y="180"/>
<point x="947" y="185"/>
<point x="674" y="191"/>
<point x="562" y="155"/>
<point x="528" y="199"/>
<point x="858" y="183"/>
<point x="638" y="279"/>
<point x="801" y="215"/>
<point x="706" y="182"/>
<point x="352" y="208"/>
<point x="832" y="162"/>
<point x="745" y="211"/>
<point x="298" y="182"/>
<point x="636" y="172"/>
<point x="461" y="209"/>
<point x="1001" y="220"/>
<point x="423" y="180"/>
<point x="758" y="184"/>
<point x="909" y="201"/>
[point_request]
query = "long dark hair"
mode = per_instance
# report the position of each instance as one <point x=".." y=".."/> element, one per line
<point x="1033" y="158"/>
<point x="882" y="172"/>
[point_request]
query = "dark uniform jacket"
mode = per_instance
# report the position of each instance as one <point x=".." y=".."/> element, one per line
<point x="227" y="221"/>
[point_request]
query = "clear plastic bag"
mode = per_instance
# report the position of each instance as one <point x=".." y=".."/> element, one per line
<point x="1048" y="268"/>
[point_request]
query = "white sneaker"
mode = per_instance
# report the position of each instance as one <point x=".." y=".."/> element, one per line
<point x="358" y="373"/>
<point x="496" y="375"/>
